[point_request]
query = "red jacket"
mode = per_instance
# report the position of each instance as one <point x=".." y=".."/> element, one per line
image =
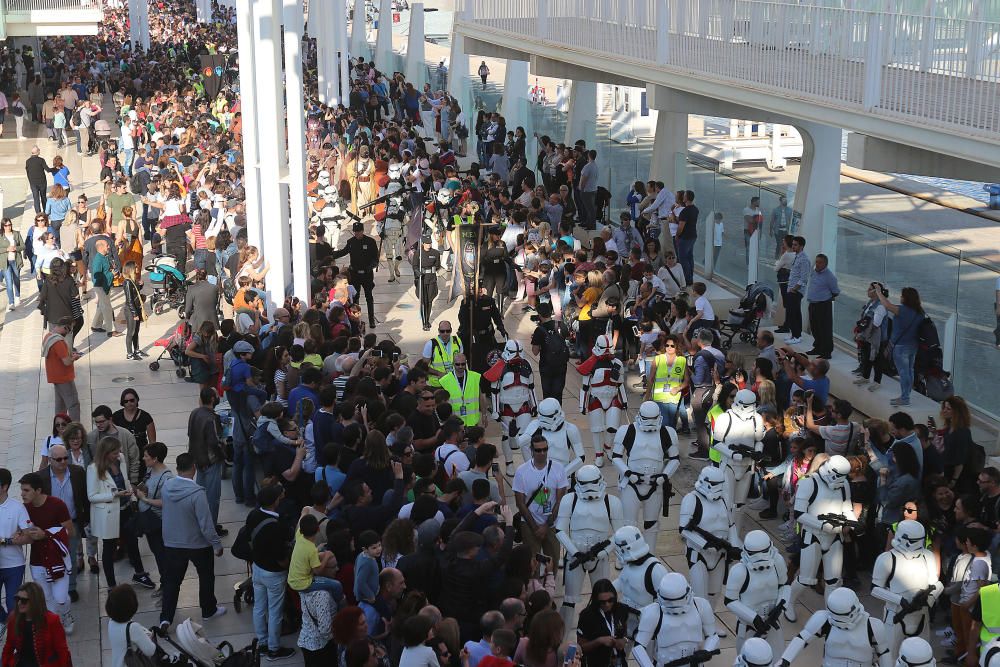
<point x="49" y="640"/>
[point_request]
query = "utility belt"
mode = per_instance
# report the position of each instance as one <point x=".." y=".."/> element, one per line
<point x="427" y="272"/>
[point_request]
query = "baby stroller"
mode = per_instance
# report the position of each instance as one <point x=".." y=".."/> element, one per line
<point x="744" y="320"/>
<point x="193" y="648"/>
<point x="169" y="285"/>
<point x="175" y="344"/>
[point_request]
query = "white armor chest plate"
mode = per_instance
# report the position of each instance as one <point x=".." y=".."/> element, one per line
<point x="559" y="449"/>
<point x="849" y="648"/>
<point x="632" y="582"/>
<point x="762" y="592"/>
<point x="827" y="500"/>
<point x="740" y="432"/>
<point x="714" y="517"/>
<point x="912" y="574"/>
<point x="514" y="389"/>
<point x="680" y="635"/>
<point x="603" y="386"/>
<point x="589" y="523"/>
<point x="646" y="456"/>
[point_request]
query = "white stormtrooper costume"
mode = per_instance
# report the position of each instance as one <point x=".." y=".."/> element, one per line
<point x="512" y="384"/>
<point x="916" y="652"/>
<point x="677" y="625"/>
<point x="641" y="573"/>
<point x="823" y="494"/>
<point x="738" y="435"/>
<point x="602" y="395"/>
<point x="755" y="653"/>
<point x="565" y="444"/>
<point x="705" y="514"/>
<point x="333" y="210"/>
<point x="442" y="241"/>
<point x="587" y="519"/>
<point x="646" y="456"/>
<point x="390" y="228"/>
<point x="755" y="588"/>
<point x="907" y="571"/>
<point x="853" y="638"/>
<point x="989" y="655"/>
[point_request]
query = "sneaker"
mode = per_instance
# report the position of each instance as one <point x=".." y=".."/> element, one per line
<point x="219" y="611"/>
<point x="856" y="371"/>
<point x="143" y="580"/>
<point x="782" y="330"/>
<point x="280" y="654"/>
<point x="74" y="596"/>
<point x="768" y="514"/>
<point x="874" y="386"/>
<point x="68" y="622"/>
<point x="898" y="402"/>
<point x="92" y="562"/>
<point x="700" y="454"/>
<point x="861" y="381"/>
<point x="220" y="530"/>
<point x="949" y="642"/>
<point x="793" y="341"/>
<point x="17" y="301"/>
<point x="10" y="308"/>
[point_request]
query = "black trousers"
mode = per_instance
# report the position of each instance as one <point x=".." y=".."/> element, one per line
<point x="494" y="285"/>
<point x="553" y="383"/>
<point x="365" y="281"/>
<point x="427" y="288"/>
<point x="38" y="197"/>
<point x="177" y="563"/>
<point x="821" y="325"/>
<point x="793" y="313"/>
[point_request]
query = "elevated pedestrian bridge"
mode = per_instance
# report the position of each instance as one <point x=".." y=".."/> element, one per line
<point x="923" y="81"/>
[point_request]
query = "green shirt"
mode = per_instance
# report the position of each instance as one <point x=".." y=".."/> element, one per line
<point x="116" y="204"/>
<point x="305" y="557"/>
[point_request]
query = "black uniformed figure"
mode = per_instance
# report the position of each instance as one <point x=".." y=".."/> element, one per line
<point x="477" y="327"/>
<point x="426" y="261"/>
<point x="364" y="258"/>
<point x="493" y="265"/>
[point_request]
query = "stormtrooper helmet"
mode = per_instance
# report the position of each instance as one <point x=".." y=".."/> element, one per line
<point x="711" y="483"/>
<point x="630" y="545"/>
<point x="909" y="539"/>
<point x="844" y="608"/>
<point x="757" y="548"/>
<point x="745" y="404"/>
<point x="512" y="350"/>
<point x="756" y="652"/>
<point x="603" y="346"/>
<point x="590" y="484"/>
<point x="915" y="652"/>
<point x="835" y="471"/>
<point x="673" y="594"/>
<point x="323" y="178"/>
<point x="395" y="171"/>
<point x="444" y="196"/>
<point x="649" y="418"/>
<point x="550" y="415"/>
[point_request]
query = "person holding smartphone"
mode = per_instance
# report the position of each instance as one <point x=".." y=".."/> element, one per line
<point x="601" y="630"/>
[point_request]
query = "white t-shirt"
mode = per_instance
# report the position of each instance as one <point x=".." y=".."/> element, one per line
<point x="547" y="480"/>
<point x="657" y="283"/>
<point x="405" y="510"/>
<point x="451" y="458"/>
<point x="705" y="306"/>
<point x="47" y="442"/>
<point x="418" y="656"/>
<point x="980" y="569"/>
<point x="13" y="517"/>
<point x="673" y="279"/>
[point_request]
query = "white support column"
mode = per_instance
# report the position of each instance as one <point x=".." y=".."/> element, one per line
<point x="383" y="40"/>
<point x="245" y="30"/>
<point x="273" y="162"/>
<point x="316" y="26"/>
<point x="203" y="11"/>
<point x="515" y="92"/>
<point x="871" y="94"/>
<point x="819" y="180"/>
<point x="415" y="66"/>
<point x="581" y="120"/>
<point x="144" y="24"/>
<point x="671" y="140"/>
<point x="133" y="21"/>
<point x="299" y="218"/>
<point x="340" y="21"/>
<point x="359" y="27"/>
<point x="458" y="68"/>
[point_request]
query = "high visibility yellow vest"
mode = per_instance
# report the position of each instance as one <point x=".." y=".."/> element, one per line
<point x="442" y="358"/>
<point x="464" y="400"/>
<point x="668" y="377"/>
<point x="713" y="453"/>
<point x="989" y="597"/>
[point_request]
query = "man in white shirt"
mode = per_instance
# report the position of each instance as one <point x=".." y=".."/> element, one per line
<point x="13" y="518"/>
<point x="672" y="275"/>
<point x="539" y="485"/>
<point x="448" y="455"/>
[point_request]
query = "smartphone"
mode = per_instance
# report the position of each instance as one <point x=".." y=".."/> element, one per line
<point x="570" y="654"/>
<point x="495" y="468"/>
<point x="931" y="421"/>
<point x="376" y="352"/>
<point x="395" y="357"/>
<point x="635" y="331"/>
<point x="497" y="508"/>
<point x="542" y="558"/>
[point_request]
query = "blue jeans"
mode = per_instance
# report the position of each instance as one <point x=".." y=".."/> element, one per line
<point x="11" y="579"/>
<point x="685" y="257"/>
<point x="244" y="477"/>
<point x="129" y="156"/>
<point x="268" y="600"/>
<point x="904" y="356"/>
<point x="75" y="544"/>
<point x="211" y="479"/>
<point x="12" y="280"/>
<point x="331" y="586"/>
<point x="669" y="413"/>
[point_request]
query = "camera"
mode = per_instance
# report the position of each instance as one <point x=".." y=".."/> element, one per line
<point x="542" y="558"/>
<point x="376" y="352"/>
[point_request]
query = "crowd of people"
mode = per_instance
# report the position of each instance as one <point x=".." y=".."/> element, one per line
<point x="375" y="499"/>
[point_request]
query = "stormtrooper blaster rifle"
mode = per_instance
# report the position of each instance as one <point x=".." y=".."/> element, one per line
<point x="699" y="657"/>
<point x="717" y="543"/>
<point x="747" y="452"/>
<point x="581" y="557"/>
<point x="838" y="520"/>
<point x="917" y="603"/>
<point x="771" y="622"/>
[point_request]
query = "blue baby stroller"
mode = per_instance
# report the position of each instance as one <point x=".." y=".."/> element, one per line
<point x="169" y="285"/>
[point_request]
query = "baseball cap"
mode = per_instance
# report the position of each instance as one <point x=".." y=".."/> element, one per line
<point x="358" y="227"/>
<point x="243" y="347"/>
<point x="281" y="312"/>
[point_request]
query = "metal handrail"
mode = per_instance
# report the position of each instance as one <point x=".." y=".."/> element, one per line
<point x="44" y="5"/>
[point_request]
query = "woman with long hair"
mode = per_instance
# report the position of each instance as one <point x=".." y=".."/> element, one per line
<point x="252" y="264"/>
<point x="374" y="467"/>
<point x="276" y="373"/>
<point x="203" y="352"/>
<point x="173" y="214"/>
<point x="57" y="206"/>
<point x="35" y="636"/>
<point x="33" y="241"/>
<point x="110" y="494"/>
<point x="129" y="238"/>
<point x="907" y="316"/>
<point x="60" y="173"/>
<point x="12" y="251"/>
<point x="349" y="626"/>
<point x="59" y="424"/>
<point x="398" y="540"/>
<point x="540" y="648"/>
<point x="601" y="629"/>
<point x="135" y="314"/>
<point x="954" y="441"/>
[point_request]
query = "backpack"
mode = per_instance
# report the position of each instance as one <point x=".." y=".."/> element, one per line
<point x="75" y="119"/>
<point x="720" y="362"/>
<point x="927" y="334"/>
<point x="18" y="111"/>
<point x="227" y="375"/>
<point x="243" y="544"/>
<point x="135" y="183"/>
<point x="556" y="354"/>
<point x="228" y="289"/>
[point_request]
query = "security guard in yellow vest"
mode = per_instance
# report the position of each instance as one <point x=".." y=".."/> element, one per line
<point x="986" y="615"/>
<point x="463" y="387"/>
<point x="440" y="353"/>
<point x="669" y="378"/>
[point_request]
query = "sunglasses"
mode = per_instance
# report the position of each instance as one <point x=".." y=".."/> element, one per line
<point x="539" y="450"/>
<point x="610" y="600"/>
<point x="669" y="345"/>
<point x="444" y="330"/>
<point x="21" y="599"/>
<point x="131" y="400"/>
<point x="58" y="424"/>
<point x="425" y="397"/>
<point x="59" y="459"/>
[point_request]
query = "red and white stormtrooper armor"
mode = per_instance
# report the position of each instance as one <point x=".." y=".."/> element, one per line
<point x="676" y="626"/>
<point x="899" y="575"/>
<point x="706" y="508"/>
<point x="641" y="573"/>
<point x="739" y="426"/>
<point x="646" y="456"/>
<point x="824" y="493"/>
<point x="602" y="395"/>
<point x="852" y="637"/>
<point x="512" y="384"/>
<point x="565" y="444"/>
<point x="755" y="586"/>
<point x="587" y="519"/>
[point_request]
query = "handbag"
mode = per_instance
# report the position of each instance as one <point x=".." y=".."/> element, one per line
<point x="134" y="658"/>
<point x="147" y="522"/>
